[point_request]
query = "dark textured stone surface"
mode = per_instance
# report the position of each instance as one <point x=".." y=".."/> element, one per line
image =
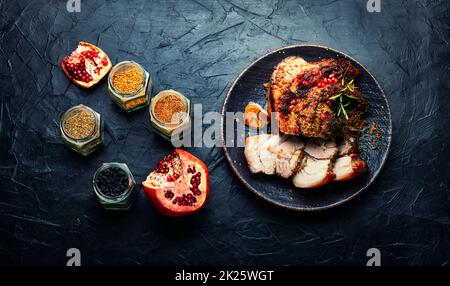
<point x="198" y="47"/>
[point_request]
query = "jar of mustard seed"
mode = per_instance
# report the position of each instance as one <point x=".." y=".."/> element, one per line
<point x="114" y="186"/>
<point x="129" y="85"/>
<point x="170" y="113"/>
<point x="82" y="129"/>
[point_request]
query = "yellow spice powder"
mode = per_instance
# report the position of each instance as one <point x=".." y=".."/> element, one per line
<point x="128" y="81"/>
<point x="167" y="106"/>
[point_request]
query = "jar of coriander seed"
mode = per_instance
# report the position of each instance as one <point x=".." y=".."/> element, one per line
<point x="82" y="129"/>
<point x="129" y="85"/>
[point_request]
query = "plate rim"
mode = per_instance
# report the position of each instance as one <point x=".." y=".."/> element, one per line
<point x="303" y="209"/>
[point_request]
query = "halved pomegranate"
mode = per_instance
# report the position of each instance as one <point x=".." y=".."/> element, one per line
<point x="179" y="184"/>
<point x="87" y="65"/>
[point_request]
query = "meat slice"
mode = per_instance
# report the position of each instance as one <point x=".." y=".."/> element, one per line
<point x="252" y="148"/>
<point x="314" y="173"/>
<point x="267" y="153"/>
<point x="298" y="99"/>
<point x="288" y="156"/>
<point x="347" y="168"/>
<point x="346" y="147"/>
<point x="321" y="149"/>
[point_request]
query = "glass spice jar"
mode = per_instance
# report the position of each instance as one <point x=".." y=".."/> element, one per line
<point x="82" y="129"/>
<point x="120" y="195"/>
<point x="176" y="124"/>
<point x="129" y="85"/>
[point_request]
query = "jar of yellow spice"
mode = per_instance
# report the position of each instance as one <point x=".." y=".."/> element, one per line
<point x="170" y="113"/>
<point x="129" y="85"/>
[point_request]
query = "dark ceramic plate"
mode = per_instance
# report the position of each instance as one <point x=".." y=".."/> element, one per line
<point x="248" y="86"/>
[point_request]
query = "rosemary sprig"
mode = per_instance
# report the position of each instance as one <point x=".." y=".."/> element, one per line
<point x="345" y="97"/>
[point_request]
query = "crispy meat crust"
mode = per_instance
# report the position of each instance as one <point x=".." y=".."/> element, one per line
<point x="296" y="79"/>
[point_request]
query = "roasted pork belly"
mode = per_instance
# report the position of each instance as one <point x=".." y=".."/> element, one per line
<point x="346" y="168"/>
<point x="346" y="147"/>
<point x="301" y="102"/>
<point x="314" y="173"/>
<point x="288" y="156"/>
<point x="310" y="165"/>
<point x="252" y="149"/>
<point x="321" y="149"/>
<point x="267" y="153"/>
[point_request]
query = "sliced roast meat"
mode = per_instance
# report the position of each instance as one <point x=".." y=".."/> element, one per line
<point x="347" y="168"/>
<point x="321" y="149"/>
<point x="314" y="173"/>
<point x="309" y="165"/>
<point x="346" y="147"/>
<point x="252" y="148"/>
<point x="300" y="101"/>
<point x="267" y="153"/>
<point x="288" y="156"/>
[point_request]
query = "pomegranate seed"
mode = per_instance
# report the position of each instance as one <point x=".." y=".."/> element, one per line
<point x="175" y="176"/>
<point x="299" y="75"/>
<point x="323" y="116"/>
<point x="169" y="179"/>
<point x="328" y="102"/>
<point x="359" y="165"/>
<point x="296" y="129"/>
<point x="293" y="102"/>
<point x="169" y="194"/>
<point x="304" y="83"/>
<point x="290" y="108"/>
<point x="105" y="62"/>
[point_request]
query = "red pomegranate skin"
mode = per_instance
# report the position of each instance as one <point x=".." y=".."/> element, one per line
<point x="179" y="184"/>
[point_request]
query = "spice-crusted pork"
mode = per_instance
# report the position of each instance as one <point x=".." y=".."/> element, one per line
<point x="288" y="156"/>
<point x="348" y="164"/>
<point x="309" y="165"/>
<point x="299" y="91"/>
<point x="314" y="173"/>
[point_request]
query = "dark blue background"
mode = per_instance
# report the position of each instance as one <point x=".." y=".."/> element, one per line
<point x="198" y="47"/>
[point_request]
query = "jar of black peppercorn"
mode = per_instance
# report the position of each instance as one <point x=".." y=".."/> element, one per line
<point x="114" y="186"/>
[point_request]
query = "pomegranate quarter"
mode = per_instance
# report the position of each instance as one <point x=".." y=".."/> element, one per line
<point x="87" y="65"/>
<point x="179" y="185"/>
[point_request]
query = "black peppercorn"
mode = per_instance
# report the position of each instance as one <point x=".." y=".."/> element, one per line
<point x="112" y="182"/>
